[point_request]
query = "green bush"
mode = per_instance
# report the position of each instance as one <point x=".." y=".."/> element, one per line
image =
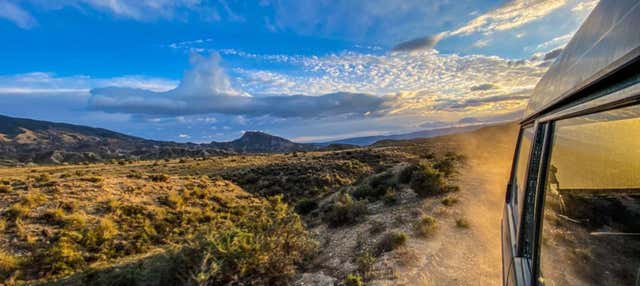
<point x="427" y="181"/>
<point x="345" y="210"/>
<point x="365" y="261"/>
<point x="425" y="226"/>
<point x="263" y="248"/>
<point x="391" y="241"/>
<point x="306" y="206"/>
<point x="404" y="177"/>
<point x="450" y="163"/>
<point x="353" y="280"/>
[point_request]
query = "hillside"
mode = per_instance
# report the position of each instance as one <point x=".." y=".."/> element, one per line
<point x="43" y="142"/>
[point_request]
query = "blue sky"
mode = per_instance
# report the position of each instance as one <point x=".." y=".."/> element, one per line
<point x="198" y="71"/>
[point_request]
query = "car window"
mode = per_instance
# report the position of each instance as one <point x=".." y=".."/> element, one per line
<point x="591" y="226"/>
<point x="526" y="139"/>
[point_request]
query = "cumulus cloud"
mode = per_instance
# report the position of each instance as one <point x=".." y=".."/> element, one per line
<point x="16" y="14"/>
<point x="422" y="43"/>
<point x="206" y="88"/>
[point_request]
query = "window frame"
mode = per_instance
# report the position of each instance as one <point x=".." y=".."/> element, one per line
<point x="626" y="97"/>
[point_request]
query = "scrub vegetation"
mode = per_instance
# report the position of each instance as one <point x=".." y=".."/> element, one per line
<point x="237" y="219"/>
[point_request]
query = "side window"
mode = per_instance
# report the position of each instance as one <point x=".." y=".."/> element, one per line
<point x="518" y="183"/>
<point x="591" y="220"/>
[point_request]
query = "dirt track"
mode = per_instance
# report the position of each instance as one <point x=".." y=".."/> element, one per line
<point x="458" y="256"/>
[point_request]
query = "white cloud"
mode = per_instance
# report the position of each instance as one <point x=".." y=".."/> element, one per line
<point x="49" y="83"/>
<point x="557" y="42"/>
<point x="184" y="136"/>
<point x="511" y="15"/>
<point x="16" y="14"/>
<point x="206" y="88"/>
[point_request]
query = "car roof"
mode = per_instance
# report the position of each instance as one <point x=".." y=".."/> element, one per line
<point x="606" y="42"/>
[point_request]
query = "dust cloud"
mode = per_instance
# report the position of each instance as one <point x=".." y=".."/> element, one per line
<point x="472" y="256"/>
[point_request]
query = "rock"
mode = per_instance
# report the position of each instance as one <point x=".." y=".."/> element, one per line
<point x="315" y="279"/>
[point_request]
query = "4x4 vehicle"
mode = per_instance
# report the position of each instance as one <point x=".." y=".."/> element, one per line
<point x="572" y="210"/>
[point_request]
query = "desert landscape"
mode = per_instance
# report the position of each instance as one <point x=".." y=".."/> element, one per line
<point x="406" y="212"/>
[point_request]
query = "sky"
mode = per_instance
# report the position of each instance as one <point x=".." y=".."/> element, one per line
<point x="307" y="70"/>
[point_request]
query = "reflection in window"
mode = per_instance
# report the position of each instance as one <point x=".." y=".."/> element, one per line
<point x="521" y="168"/>
<point x="591" y="228"/>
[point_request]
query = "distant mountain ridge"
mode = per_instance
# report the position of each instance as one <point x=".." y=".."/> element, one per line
<point x="369" y="140"/>
<point x="36" y="141"/>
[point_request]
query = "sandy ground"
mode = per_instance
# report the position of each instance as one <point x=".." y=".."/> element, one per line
<point x="452" y="255"/>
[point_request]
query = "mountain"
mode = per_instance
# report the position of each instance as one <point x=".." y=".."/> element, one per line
<point x="368" y="140"/>
<point x="260" y="142"/>
<point x="43" y="142"/>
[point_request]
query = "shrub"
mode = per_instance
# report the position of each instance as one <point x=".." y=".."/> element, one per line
<point x="17" y="210"/>
<point x="92" y="179"/>
<point x="391" y="241"/>
<point x="63" y="257"/>
<point x="449" y="201"/>
<point x="54" y="216"/>
<point x="449" y="164"/>
<point x="75" y="221"/>
<point x="262" y="248"/>
<point x="427" y="181"/>
<point x="390" y="197"/>
<point x="404" y="177"/>
<point x="306" y="206"/>
<point x="6" y="188"/>
<point x="462" y="223"/>
<point x="173" y="200"/>
<point x="158" y="178"/>
<point x="3" y="224"/>
<point x="345" y="210"/>
<point x="365" y="261"/>
<point x="8" y="264"/>
<point x="425" y="226"/>
<point x="102" y="232"/>
<point x="353" y="280"/>
<point x="377" y="187"/>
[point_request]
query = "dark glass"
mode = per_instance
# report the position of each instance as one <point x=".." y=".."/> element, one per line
<point x="519" y="183"/>
<point x="591" y="227"/>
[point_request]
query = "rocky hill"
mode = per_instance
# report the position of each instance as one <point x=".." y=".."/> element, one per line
<point x="42" y="142"/>
<point x="260" y="142"/>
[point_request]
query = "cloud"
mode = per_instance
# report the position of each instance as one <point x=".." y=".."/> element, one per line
<point x="510" y="15"/>
<point x="552" y="54"/>
<point x="422" y="43"/>
<point x="51" y="84"/>
<point x="483" y="87"/>
<point x="452" y="105"/>
<point x="206" y="88"/>
<point x="557" y="42"/>
<point x="16" y="14"/>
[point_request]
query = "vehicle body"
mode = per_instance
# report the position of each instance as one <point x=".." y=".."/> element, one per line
<point x="572" y="209"/>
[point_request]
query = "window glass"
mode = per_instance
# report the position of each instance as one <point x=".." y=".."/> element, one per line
<point x="526" y="139"/>
<point x="591" y="227"/>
